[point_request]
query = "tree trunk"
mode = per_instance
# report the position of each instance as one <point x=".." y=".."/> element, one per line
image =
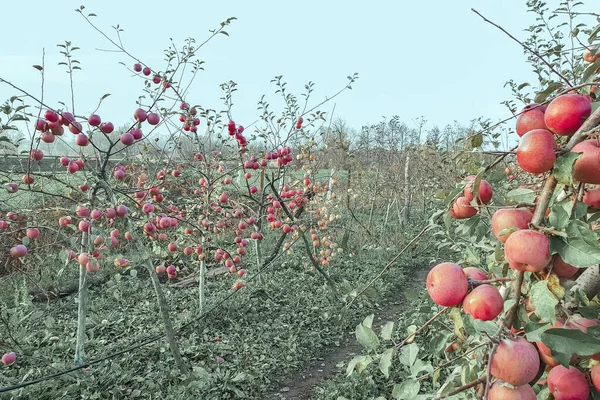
<point x="163" y="308"/>
<point x="82" y="306"/>
<point x="407" y="191"/>
<point x="201" y="283"/>
<point x="348" y="183"/>
<point x="330" y="184"/>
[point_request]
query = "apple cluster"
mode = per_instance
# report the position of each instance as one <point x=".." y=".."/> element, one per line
<point x="464" y="205"/>
<point x="539" y="126"/>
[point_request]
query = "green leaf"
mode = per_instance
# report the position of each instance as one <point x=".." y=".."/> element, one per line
<point x="407" y="390"/>
<point x="385" y="362"/>
<point x="579" y="248"/>
<point x="590" y="71"/>
<point x="420" y="366"/>
<point x="563" y="167"/>
<point x="540" y="97"/>
<point x="566" y="342"/>
<point x="408" y="354"/>
<point x="521" y="195"/>
<point x="240" y="377"/>
<point x="476" y="140"/>
<point x="594" y="33"/>
<point x="580" y="210"/>
<point x="534" y="330"/>
<point x="456" y="317"/>
<point x="367" y="337"/>
<point x="559" y="217"/>
<point x="363" y="364"/>
<point x="386" y="330"/>
<point x="359" y="363"/>
<point x="507" y="231"/>
<point x="543" y="301"/>
<point x="368" y="321"/>
<point x="485" y="326"/>
<point x="470" y="257"/>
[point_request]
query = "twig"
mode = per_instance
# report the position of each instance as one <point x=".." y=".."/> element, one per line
<point x="425" y="325"/>
<point x="452" y="361"/>
<point x="389" y="265"/>
<point x="489" y="369"/>
<point x="525" y="47"/>
<point x="475" y="283"/>
<point x="482" y="379"/>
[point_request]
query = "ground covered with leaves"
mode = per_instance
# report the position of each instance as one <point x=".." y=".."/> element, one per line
<point x="242" y="348"/>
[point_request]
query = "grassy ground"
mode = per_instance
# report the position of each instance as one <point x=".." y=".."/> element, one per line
<point x="239" y="350"/>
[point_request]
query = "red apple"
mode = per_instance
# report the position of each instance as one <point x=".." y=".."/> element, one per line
<point x="484" y="303"/>
<point x="140" y="115"/>
<point x="498" y="391"/>
<point x="535" y="153"/>
<point x="18" y="251"/>
<point x="505" y="367"/>
<point x="153" y="118"/>
<point x="485" y="191"/>
<point x="475" y="274"/>
<point x="587" y="168"/>
<point x="127" y="139"/>
<point x="595" y="375"/>
<point x="36" y="154"/>
<point x="567" y="384"/>
<point x="565" y="114"/>
<point x="447" y="284"/>
<point x="9" y="358"/>
<point x="107" y="127"/>
<point x="507" y="218"/>
<point x="33" y="233"/>
<point x="121" y="210"/>
<point x="592" y="198"/>
<point x="161" y="269"/>
<point x="532" y="117"/>
<point x="94" y="120"/>
<point x="527" y="250"/>
<point x="462" y="208"/>
<point x="562" y="269"/>
<point x="27" y="179"/>
<point x="82" y="140"/>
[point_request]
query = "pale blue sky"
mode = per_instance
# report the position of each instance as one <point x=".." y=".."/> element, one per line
<point x="431" y="58"/>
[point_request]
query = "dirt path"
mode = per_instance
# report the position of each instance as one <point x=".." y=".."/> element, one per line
<point x="300" y="385"/>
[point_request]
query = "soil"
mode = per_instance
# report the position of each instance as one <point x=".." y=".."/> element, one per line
<point x="301" y="384"/>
